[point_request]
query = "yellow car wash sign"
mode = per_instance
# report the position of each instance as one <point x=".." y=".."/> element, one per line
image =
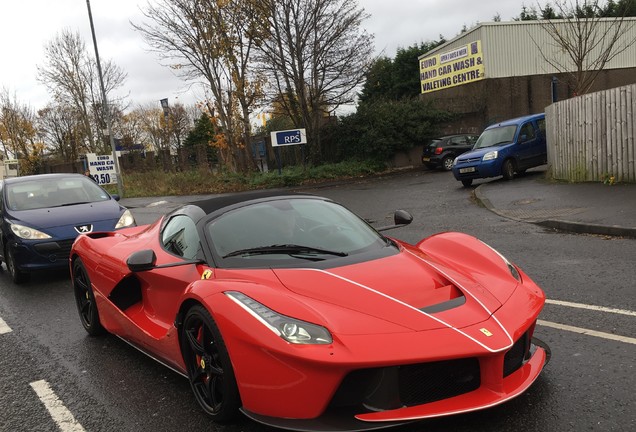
<point x="459" y="66"/>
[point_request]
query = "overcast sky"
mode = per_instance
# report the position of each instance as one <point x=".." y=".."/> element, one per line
<point x="27" y="25"/>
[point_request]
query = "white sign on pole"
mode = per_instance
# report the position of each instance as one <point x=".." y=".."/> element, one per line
<point x="102" y="168"/>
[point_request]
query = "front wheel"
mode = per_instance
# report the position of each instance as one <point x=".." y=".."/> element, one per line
<point x="209" y="367"/>
<point x="508" y="170"/>
<point x="17" y="276"/>
<point x="467" y="182"/>
<point x="85" y="300"/>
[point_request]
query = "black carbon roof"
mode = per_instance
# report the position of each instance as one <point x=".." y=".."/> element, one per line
<point x="211" y="205"/>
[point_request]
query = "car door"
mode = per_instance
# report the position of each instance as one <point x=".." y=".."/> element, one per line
<point x="527" y="146"/>
<point x="2" y="221"/>
<point x="162" y="288"/>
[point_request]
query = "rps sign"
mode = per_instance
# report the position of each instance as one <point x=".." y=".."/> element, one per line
<point x="288" y="137"/>
<point x="102" y="168"/>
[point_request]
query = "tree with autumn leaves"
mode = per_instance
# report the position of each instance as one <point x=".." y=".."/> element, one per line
<point x="18" y="135"/>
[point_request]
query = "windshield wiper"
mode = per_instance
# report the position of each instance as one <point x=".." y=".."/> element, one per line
<point x="290" y="249"/>
<point x="73" y="203"/>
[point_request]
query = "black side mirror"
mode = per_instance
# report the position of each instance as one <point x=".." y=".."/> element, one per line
<point x="142" y="260"/>
<point x="400" y="218"/>
<point x="116" y="197"/>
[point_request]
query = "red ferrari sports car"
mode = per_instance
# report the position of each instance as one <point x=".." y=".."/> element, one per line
<point x="296" y="312"/>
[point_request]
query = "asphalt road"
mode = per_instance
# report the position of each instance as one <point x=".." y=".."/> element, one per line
<point x="102" y="384"/>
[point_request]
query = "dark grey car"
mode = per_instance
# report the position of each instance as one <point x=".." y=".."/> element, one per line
<point x="441" y="152"/>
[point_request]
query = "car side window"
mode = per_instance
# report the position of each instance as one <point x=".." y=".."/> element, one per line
<point x="181" y="238"/>
<point x="527" y="130"/>
<point x="541" y="125"/>
<point x="457" y="140"/>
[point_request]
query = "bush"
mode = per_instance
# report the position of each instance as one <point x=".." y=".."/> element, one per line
<point x="196" y="182"/>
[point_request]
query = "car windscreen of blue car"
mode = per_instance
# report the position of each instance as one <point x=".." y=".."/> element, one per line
<point x="37" y="194"/>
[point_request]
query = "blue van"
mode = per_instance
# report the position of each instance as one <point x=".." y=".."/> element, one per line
<point x="504" y="149"/>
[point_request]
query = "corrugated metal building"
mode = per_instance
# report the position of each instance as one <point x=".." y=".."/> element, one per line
<point x="499" y="70"/>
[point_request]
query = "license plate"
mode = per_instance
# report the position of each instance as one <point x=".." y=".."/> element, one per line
<point x="425" y="159"/>
<point x="466" y="170"/>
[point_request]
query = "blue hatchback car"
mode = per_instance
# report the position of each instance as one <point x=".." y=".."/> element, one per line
<point x="43" y="214"/>
<point x="504" y="149"/>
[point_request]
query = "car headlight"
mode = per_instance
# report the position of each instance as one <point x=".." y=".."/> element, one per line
<point x="290" y="329"/>
<point x="490" y="155"/>
<point x="28" y="233"/>
<point x="125" y="220"/>
<point x="513" y="270"/>
<point x="455" y="161"/>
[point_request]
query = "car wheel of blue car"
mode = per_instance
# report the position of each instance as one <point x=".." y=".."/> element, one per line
<point x="17" y="276"/>
<point x="467" y="182"/>
<point x="508" y="170"/>
<point x="85" y="300"/>
<point x="209" y="366"/>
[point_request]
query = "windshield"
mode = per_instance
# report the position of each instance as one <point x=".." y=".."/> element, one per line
<point x="50" y="192"/>
<point x="290" y="230"/>
<point x="496" y="136"/>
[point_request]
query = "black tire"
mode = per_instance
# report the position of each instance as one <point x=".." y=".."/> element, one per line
<point x="85" y="300"/>
<point x="508" y="170"/>
<point x="17" y="276"/>
<point x="467" y="182"/>
<point x="208" y="365"/>
<point x="447" y="163"/>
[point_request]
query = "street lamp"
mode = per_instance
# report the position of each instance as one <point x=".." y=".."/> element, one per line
<point x="120" y="188"/>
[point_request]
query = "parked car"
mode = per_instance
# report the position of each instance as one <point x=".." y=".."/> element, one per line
<point x="296" y="312"/>
<point x="504" y="149"/>
<point x="442" y="151"/>
<point x="43" y="214"/>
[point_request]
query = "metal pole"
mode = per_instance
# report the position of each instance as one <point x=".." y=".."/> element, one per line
<point x="120" y="188"/>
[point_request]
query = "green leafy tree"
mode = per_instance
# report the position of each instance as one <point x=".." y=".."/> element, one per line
<point x="202" y="135"/>
<point x="380" y="129"/>
<point x="398" y="78"/>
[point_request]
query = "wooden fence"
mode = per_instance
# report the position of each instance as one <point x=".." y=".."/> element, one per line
<point x="593" y="137"/>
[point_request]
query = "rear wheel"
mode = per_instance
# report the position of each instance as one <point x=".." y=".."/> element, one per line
<point x="17" y="276"/>
<point x="85" y="300"/>
<point x="447" y="163"/>
<point x="508" y="170"/>
<point x="208" y="364"/>
<point x="467" y="182"/>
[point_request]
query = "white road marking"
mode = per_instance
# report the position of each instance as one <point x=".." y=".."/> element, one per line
<point x="588" y="332"/>
<point x="4" y="328"/>
<point x="591" y="307"/>
<point x="157" y="203"/>
<point x="62" y="416"/>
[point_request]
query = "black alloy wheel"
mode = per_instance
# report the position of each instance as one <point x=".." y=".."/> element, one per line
<point x="508" y="169"/>
<point x="209" y="366"/>
<point x="17" y="276"/>
<point x="85" y="300"/>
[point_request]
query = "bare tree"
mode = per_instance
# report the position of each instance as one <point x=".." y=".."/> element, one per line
<point x="212" y="42"/>
<point x="151" y="120"/>
<point x="585" y="42"/>
<point x="69" y="72"/>
<point x="316" y="55"/>
<point x="61" y="129"/>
